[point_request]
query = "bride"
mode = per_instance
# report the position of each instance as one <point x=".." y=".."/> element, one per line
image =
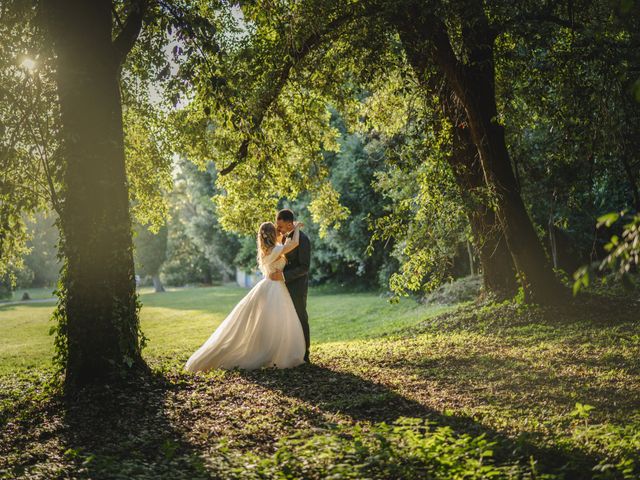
<point x="263" y="329"/>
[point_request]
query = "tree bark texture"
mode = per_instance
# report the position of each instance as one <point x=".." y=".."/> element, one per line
<point x="99" y="301"/>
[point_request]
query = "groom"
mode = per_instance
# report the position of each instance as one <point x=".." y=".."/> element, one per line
<point x="296" y="272"/>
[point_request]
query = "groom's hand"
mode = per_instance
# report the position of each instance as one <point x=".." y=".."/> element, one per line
<point x="277" y="276"/>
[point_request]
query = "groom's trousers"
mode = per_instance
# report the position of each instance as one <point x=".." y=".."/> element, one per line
<point x="299" y="296"/>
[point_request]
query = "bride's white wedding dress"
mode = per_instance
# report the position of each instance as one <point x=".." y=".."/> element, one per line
<point x="262" y="330"/>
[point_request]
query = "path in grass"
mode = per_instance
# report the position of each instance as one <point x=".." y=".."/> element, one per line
<point x="516" y="375"/>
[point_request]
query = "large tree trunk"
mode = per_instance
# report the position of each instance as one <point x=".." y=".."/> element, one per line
<point x="98" y="305"/>
<point x="498" y="273"/>
<point x="473" y="84"/>
<point x="538" y="279"/>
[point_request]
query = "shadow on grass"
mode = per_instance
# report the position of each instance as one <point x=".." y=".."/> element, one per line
<point x="509" y="381"/>
<point x="363" y="400"/>
<point x="149" y="427"/>
<point x="124" y="432"/>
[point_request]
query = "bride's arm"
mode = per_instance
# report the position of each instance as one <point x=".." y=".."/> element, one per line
<point x="294" y="241"/>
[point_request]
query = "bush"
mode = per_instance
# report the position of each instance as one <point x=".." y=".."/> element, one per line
<point x="461" y="290"/>
<point x="6" y="290"/>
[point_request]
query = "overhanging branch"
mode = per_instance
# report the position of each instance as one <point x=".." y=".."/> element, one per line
<point x="281" y="77"/>
<point x="127" y="37"/>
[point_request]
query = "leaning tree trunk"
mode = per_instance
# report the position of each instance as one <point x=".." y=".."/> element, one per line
<point x="536" y="274"/>
<point x="98" y="306"/>
<point x="475" y="87"/>
<point x="473" y="84"/>
<point x="498" y="273"/>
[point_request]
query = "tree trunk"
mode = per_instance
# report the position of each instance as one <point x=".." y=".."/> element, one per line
<point x="98" y="305"/>
<point x="538" y="279"/>
<point x="552" y="242"/>
<point x="498" y="273"/>
<point x="157" y="284"/>
<point x="473" y="84"/>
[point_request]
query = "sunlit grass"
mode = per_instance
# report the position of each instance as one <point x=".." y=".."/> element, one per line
<point x="555" y="390"/>
<point x="180" y="320"/>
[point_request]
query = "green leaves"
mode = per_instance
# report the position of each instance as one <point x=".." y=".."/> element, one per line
<point x="326" y="210"/>
<point x="623" y="251"/>
<point x="608" y="219"/>
<point x="581" y="279"/>
<point x="581" y="411"/>
<point x="409" y="448"/>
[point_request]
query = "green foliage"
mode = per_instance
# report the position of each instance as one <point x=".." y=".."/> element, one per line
<point x="196" y="220"/>
<point x="6" y="288"/>
<point x="247" y="254"/>
<point x="30" y="159"/>
<point x="150" y="250"/>
<point x="581" y="411"/>
<point x="620" y="442"/>
<point x="41" y="264"/>
<point x="185" y="263"/>
<point x="564" y="91"/>
<point x="408" y="449"/>
<point x="261" y="116"/>
<point x="148" y="168"/>
<point x="623" y="251"/>
<point x="426" y="218"/>
<point x="60" y="325"/>
<point x="461" y="290"/>
<point x="343" y="256"/>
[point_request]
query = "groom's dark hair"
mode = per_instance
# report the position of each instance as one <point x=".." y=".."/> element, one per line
<point x="285" y="215"/>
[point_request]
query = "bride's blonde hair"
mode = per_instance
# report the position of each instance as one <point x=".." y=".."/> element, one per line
<point x="267" y="238"/>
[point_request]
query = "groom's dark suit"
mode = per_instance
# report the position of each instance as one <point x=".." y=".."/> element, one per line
<point x="296" y="277"/>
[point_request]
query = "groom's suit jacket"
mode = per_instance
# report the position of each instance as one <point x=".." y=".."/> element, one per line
<point x="298" y="261"/>
<point x="296" y="277"/>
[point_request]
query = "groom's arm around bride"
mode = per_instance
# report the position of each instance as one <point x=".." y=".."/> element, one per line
<point x="297" y="267"/>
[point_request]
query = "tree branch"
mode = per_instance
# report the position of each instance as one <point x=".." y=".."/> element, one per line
<point x="127" y="37"/>
<point x="241" y="155"/>
<point x="282" y="76"/>
<point x="516" y="23"/>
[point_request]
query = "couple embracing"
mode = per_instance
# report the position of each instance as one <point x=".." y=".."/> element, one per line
<point x="269" y="327"/>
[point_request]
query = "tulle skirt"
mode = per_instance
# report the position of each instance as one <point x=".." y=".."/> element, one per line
<point x="262" y="330"/>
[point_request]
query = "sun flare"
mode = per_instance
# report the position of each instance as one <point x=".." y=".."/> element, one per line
<point x="29" y="64"/>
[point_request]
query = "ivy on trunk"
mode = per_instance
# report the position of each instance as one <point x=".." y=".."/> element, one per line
<point x="98" y="326"/>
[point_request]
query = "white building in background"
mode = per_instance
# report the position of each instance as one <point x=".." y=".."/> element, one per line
<point x="247" y="279"/>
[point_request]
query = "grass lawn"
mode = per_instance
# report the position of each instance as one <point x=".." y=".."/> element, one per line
<point x="394" y="391"/>
<point x="34" y="294"/>
<point x="180" y="320"/>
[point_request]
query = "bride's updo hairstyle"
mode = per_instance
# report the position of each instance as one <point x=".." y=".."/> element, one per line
<point x="267" y="237"/>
